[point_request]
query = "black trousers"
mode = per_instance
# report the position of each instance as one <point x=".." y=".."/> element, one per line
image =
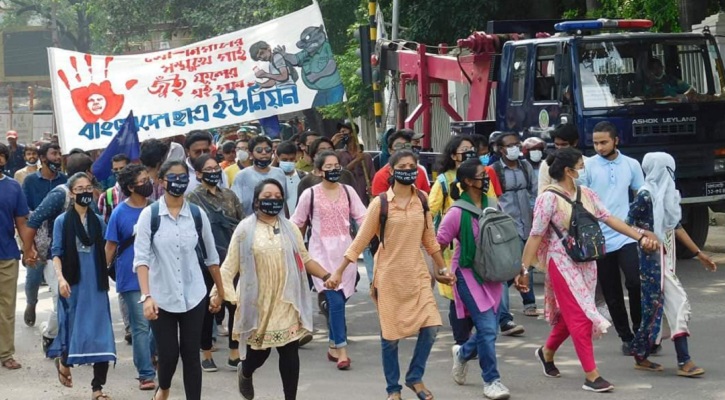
<point x="100" y="373"/>
<point x="180" y="334"/>
<point x="625" y="259"/>
<point x="289" y="366"/>
<point x="207" y="328"/>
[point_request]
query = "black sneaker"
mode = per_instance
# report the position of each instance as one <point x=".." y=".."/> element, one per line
<point x="29" y="315"/>
<point x="128" y="338"/>
<point x="511" y="329"/>
<point x="246" y="385"/>
<point x="306" y="339"/>
<point x="550" y="369"/>
<point x="233" y="364"/>
<point x="46" y="342"/>
<point x="599" y="385"/>
<point x="627" y="348"/>
<point x="209" y="365"/>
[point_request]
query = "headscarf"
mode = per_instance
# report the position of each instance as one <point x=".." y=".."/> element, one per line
<point x="659" y="181"/>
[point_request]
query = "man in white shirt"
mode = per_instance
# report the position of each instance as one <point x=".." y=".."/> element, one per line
<point x="261" y="169"/>
<point x="198" y="143"/>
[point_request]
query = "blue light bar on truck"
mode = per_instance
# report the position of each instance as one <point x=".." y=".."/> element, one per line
<point x="602" y="23"/>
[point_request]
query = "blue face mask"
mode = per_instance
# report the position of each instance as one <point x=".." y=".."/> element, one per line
<point x="287" y="166"/>
<point x="485" y="159"/>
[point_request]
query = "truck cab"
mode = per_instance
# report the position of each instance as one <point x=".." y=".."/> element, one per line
<point x="663" y="91"/>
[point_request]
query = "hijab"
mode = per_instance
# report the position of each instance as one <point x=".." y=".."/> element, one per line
<point x="659" y="181"/>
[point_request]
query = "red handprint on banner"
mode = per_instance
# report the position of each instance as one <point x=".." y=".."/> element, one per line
<point x="96" y="100"/>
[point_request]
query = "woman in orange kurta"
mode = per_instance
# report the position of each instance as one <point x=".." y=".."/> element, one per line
<point x="401" y="285"/>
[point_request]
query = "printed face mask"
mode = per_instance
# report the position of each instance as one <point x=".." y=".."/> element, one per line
<point x="177" y="188"/>
<point x="332" y="175"/>
<point x="262" y="164"/>
<point x="271" y="206"/>
<point x="212" y="178"/>
<point x="84" y="199"/>
<point x="405" y="176"/>
<point x="53" y="166"/>
<point x="467" y="155"/>
<point x="536" y="155"/>
<point x="287" y="166"/>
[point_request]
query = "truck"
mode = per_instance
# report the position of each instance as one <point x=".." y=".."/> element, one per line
<point x="582" y="72"/>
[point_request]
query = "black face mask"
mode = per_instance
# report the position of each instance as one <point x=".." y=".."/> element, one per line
<point x="212" y="178"/>
<point x="417" y="149"/>
<point x="53" y="166"/>
<point x="84" y="199"/>
<point x="405" y="176"/>
<point x="484" y="185"/>
<point x="144" y="190"/>
<point x="467" y="155"/>
<point x="262" y="164"/>
<point x="177" y="188"/>
<point x="332" y="175"/>
<point x="271" y="207"/>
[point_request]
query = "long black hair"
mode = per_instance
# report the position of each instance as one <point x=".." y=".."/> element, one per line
<point x="561" y="159"/>
<point x="445" y="162"/>
<point x="467" y="170"/>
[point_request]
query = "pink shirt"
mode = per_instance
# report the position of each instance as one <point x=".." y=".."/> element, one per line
<point x="486" y="294"/>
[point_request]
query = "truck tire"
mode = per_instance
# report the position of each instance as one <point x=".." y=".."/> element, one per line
<point x="697" y="226"/>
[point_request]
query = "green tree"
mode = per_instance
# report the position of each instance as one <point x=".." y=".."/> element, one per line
<point x="72" y="18"/>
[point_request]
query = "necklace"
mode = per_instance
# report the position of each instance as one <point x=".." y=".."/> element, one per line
<point x="275" y="226"/>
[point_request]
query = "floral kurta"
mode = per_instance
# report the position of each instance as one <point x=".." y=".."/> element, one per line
<point x="581" y="277"/>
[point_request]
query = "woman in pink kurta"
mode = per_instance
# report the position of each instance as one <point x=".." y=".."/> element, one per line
<point x="328" y="209"/>
<point x="570" y="285"/>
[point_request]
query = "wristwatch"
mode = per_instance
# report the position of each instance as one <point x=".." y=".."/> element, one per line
<point x="143" y="298"/>
<point x="442" y="271"/>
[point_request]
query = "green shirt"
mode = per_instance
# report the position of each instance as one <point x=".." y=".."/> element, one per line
<point x="314" y="64"/>
<point x="668" y="86"/>
<point x="303" y="165"/>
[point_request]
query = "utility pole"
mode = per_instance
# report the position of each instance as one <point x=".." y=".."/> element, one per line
<point x="54" y="23"/>
<point x="392" y="105"/>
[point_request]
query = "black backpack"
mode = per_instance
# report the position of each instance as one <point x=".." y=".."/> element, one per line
<point x="584" y="240"/>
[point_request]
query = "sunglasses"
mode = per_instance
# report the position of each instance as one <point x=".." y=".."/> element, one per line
<point x="177" y="178"/>
<point x="401" y="146"/>
<point x="263" y="150"/>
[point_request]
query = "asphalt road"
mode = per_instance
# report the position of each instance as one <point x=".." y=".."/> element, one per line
<point x="321" y="380"/>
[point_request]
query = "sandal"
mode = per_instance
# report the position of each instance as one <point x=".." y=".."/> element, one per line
<point x="689" y="370"/>
<point x="65" y="380"/>
<point x="423" y="394"/>
<point x="11" y="364"/>
<point x="101" y="396"/>
<point x="394" y="396"/>
<point x="531" y="312"/>
<point x="647" y="365"/>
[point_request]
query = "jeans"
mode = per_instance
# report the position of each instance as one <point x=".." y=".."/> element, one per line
<point x="336" y="322"/>
<point x="483" y="342"/>
<point x="33" y="278"/>
<point x="368" y="260"/>
<point x="391" y="367"/>
<point x="504" y="316"/>
<point x="461" y="327"/>
<point x="144" y="345"/>
<point x="528" y="298"/>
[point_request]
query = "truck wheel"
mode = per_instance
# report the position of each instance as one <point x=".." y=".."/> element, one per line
<point x="697" y="226"/>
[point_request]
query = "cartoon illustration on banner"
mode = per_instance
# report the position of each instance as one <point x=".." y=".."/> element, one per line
<point x="237" y="77"/>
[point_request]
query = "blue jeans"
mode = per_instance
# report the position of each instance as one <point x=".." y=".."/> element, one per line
<point x="336" y="322"/>
<point x="368" y="260"/>
<point x="391" y="367"/>
<point x="483" y="342"/>
<point x="143" y="342"/>
<point x="504" y="316"/>
<point x="33" y="278"/>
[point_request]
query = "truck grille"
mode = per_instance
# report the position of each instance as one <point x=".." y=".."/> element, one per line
<point x="674" y="128"/>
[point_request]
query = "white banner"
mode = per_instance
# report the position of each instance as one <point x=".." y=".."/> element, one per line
<point x="277" y="67"/>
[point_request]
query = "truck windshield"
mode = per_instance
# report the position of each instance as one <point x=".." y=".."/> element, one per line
<point x="626" y="71"/>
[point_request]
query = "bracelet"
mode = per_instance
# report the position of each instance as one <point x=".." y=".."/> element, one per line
<point x="698" y="253"/>
<point x="639" y="241"/>
<point x="326" y="277"/>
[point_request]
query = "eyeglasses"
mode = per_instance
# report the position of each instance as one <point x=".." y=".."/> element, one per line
<point x="176" y="178"/>
<point x="465" y="150"/>
<point x="87" y="189"/>
<point x="401" y="146"/>
<point x="212" y="169"/>
<point x="263" y="150"/>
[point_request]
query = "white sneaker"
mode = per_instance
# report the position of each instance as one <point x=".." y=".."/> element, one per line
<point x="496" y="390"/>
<point x="460" y="368"/>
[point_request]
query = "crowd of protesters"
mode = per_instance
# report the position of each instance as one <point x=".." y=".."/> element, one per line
<point x="191" y="235"/>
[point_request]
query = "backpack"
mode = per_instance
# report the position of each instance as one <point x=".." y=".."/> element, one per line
<point x="523" y="165"/>
<point x="290" y="69"/>
<point x="443" y="181"/>
<point x="584" y="240"/>
<point x="353" y="223"/>
<point x="384" y="212"/>
<point x="44" y="235"/>
<point x="198" y="223"/>
<point x="498" y="246"/>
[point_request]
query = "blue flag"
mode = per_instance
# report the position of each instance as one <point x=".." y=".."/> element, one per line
<point x="125" y="142"/>
<point x="271" y="126"/>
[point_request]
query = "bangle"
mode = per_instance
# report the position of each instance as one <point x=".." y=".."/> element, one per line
<point x="639" y="241"/>
<point x="326" y="277"/>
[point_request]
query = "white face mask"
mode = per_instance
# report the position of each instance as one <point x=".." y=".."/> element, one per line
<point x="242" y="155"/>
<point x="535" y="155"/>
<point x="581" y="172"/>
<point x="513" y="153"/>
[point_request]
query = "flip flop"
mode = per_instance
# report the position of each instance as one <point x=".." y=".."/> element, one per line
<point x="394" y="396"/>
<point x="65" y="380"/>
<point x="11" y="364"/>
<point x="424" y="394"/>
<point x="647" y="365"/>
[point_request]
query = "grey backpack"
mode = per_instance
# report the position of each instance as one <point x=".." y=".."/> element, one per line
<point x="498" y="247"/>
